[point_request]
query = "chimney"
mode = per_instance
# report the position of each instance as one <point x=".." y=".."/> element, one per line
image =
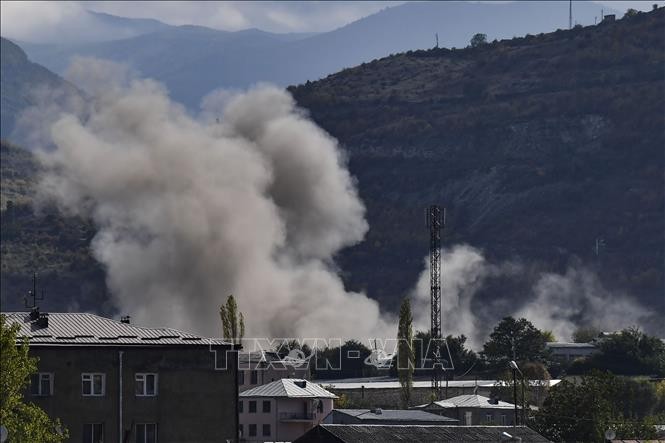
<point x="125" y="319"/>
<point x="34" y="313"/>
<point x="42" y="321"/>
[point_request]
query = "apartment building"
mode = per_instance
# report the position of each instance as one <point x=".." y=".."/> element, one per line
<point x="111" y="381"/>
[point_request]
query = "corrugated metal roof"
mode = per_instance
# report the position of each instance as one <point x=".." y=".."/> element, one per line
<point x="468" y="401"/>
<point x="90" y="329"/>
<point x="288" y="387"/>
<point x="417" y="433"/>
<point x="395" y="415"/>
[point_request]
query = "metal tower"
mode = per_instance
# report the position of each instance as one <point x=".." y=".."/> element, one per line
<point x="435" y="222"/>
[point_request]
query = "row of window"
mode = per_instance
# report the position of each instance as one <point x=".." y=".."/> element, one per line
<point x="253" y="377"/>
<point x="251" y="430"/>
<point x="93" y="384"/>
<point x="252" y="406"/>
<point x="144" y="433"/>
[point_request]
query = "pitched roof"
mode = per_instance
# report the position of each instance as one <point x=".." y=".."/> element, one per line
<point x="415" y="433"/>
<point x="395" y="415"/>
<point x="90" y="329"/>
<point x="468" y="401"/>
<point x="393" y="383"/>
<point x="289" y="387"/>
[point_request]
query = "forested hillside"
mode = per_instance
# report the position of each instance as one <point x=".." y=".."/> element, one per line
<point x="539" y="147"/>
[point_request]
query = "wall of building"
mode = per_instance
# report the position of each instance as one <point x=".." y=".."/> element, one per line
<point x="289" y="417"/>
<point x="194" y="402"/>
<point x="269" y="374"/>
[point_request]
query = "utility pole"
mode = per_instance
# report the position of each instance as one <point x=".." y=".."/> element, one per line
<point x="435" y="222"/>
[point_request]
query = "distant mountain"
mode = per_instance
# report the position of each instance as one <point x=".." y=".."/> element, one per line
<point x="537" y="147"/>
<point x="193" y="60"/>
<point x="19" y="79"/>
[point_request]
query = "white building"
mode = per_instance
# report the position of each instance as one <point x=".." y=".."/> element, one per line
<point x="282" y="410"/>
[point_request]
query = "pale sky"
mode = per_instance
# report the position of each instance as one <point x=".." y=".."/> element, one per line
<point x="39" y="21"/>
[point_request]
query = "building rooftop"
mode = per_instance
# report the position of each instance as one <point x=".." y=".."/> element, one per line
<point x="290" y="388"/>
<point x="394" y="415"/>
<point x="570" y="345"/>
<point x="90" y="329"/>
<point x="468" y="401"/>
<point x="383" y="383"/>
<point x="416" y="433"/>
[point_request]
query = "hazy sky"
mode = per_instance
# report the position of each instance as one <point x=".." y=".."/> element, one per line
<point x="31" y="21"/>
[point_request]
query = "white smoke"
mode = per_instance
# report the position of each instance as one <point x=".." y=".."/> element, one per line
<point x="190" y="210"/>
<point x="556" y="302"/>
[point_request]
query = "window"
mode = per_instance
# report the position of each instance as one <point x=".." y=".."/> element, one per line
<point x="252" y="430"/>
<point x="41" y="384"/>
<point x="240" y="407"/>
<point x="241" y="378"/>
<point x="146" y="385"/>
<point x="93" y="433"/>
<point x="146" y="433"/>
<point x="266" y="405"/>
<point x="503" y="419"/>
<point x="489" y="418"/>
<point x="252" y="406"/>
<point x="468" y="418"/>
<point x="93" y="384"/>
<point x="240" y="430"/>
<point x="254" y="378"/>
<point x="266" y="430"/>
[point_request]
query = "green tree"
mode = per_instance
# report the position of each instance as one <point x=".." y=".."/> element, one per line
<point x="25" y="422"/>
<point x="583" y="411"/>
<point x="631" y="12"/>
<point x="585" y="334"/>
<point x="629" y="352"/>
<point x="233" y="322"/>
<point x="478" y="40"/>
<point x="517" y="340"/>
<point x="405" y="353"/>
<point x="549" y="336"/>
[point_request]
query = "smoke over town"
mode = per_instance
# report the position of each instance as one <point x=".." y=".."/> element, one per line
<point x="253" y="201"/>
<point x="557" y="302"/>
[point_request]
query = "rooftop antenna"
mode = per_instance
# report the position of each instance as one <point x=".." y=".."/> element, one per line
<point x="435" y="221"/>
<point x="436" y="36"/>
<point x="33" y="294"/>
<point x="570" y="14"/>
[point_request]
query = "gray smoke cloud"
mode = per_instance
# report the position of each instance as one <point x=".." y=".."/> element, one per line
<point x="557" y="302"/>
<point x="250" y="199"/>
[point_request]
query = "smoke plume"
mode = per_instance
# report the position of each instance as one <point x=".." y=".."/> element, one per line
<point x="557" y="302"/>
<point x="254" y="202"/>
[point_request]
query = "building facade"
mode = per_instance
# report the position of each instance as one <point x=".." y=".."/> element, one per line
<point x="257" y="368"/>
<point x="110" y="381"/>
<point x="473" y="410"/>
<point x="282" y="410"/>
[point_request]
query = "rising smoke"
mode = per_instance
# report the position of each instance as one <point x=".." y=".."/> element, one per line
<point x="557" y="302"/>
<point x="254" y="202"/>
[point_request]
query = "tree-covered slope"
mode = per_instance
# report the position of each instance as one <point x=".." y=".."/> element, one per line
<point x="20" y="80"/>
<point x="537" y="147"/>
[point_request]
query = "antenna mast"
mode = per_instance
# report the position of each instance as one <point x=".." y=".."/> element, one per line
<point x="33" y="294"/>
<point x="570" y="14"/>
<point x="435" y="221"/>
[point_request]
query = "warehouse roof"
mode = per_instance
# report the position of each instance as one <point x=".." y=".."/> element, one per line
<point x="416" y="433"/>
<point x="289" y="387"/>
<point x="89" y="329"/>
<point x="393" y="415"/>
<point x="468" y="401"/>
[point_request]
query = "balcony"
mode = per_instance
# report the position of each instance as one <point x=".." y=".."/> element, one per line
<point x="296" y="416"/>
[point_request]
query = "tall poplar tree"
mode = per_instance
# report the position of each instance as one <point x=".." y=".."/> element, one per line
<point x="405" y="354"/>
<point x="233" y="322"/>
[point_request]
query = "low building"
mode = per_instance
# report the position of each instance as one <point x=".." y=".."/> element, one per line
<point x="419" y="433"/>
<point x="282" y="410"/>
<point x="109" y="380"/>
<point x="566" y="352"/>
<point x="257" y="368"/>
<point x="473" y="410"/>
<point x="386" y="416"/>
<point x="385" y="392"/>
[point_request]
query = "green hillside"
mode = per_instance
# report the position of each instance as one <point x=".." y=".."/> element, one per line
<point x="537" y="146"/>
